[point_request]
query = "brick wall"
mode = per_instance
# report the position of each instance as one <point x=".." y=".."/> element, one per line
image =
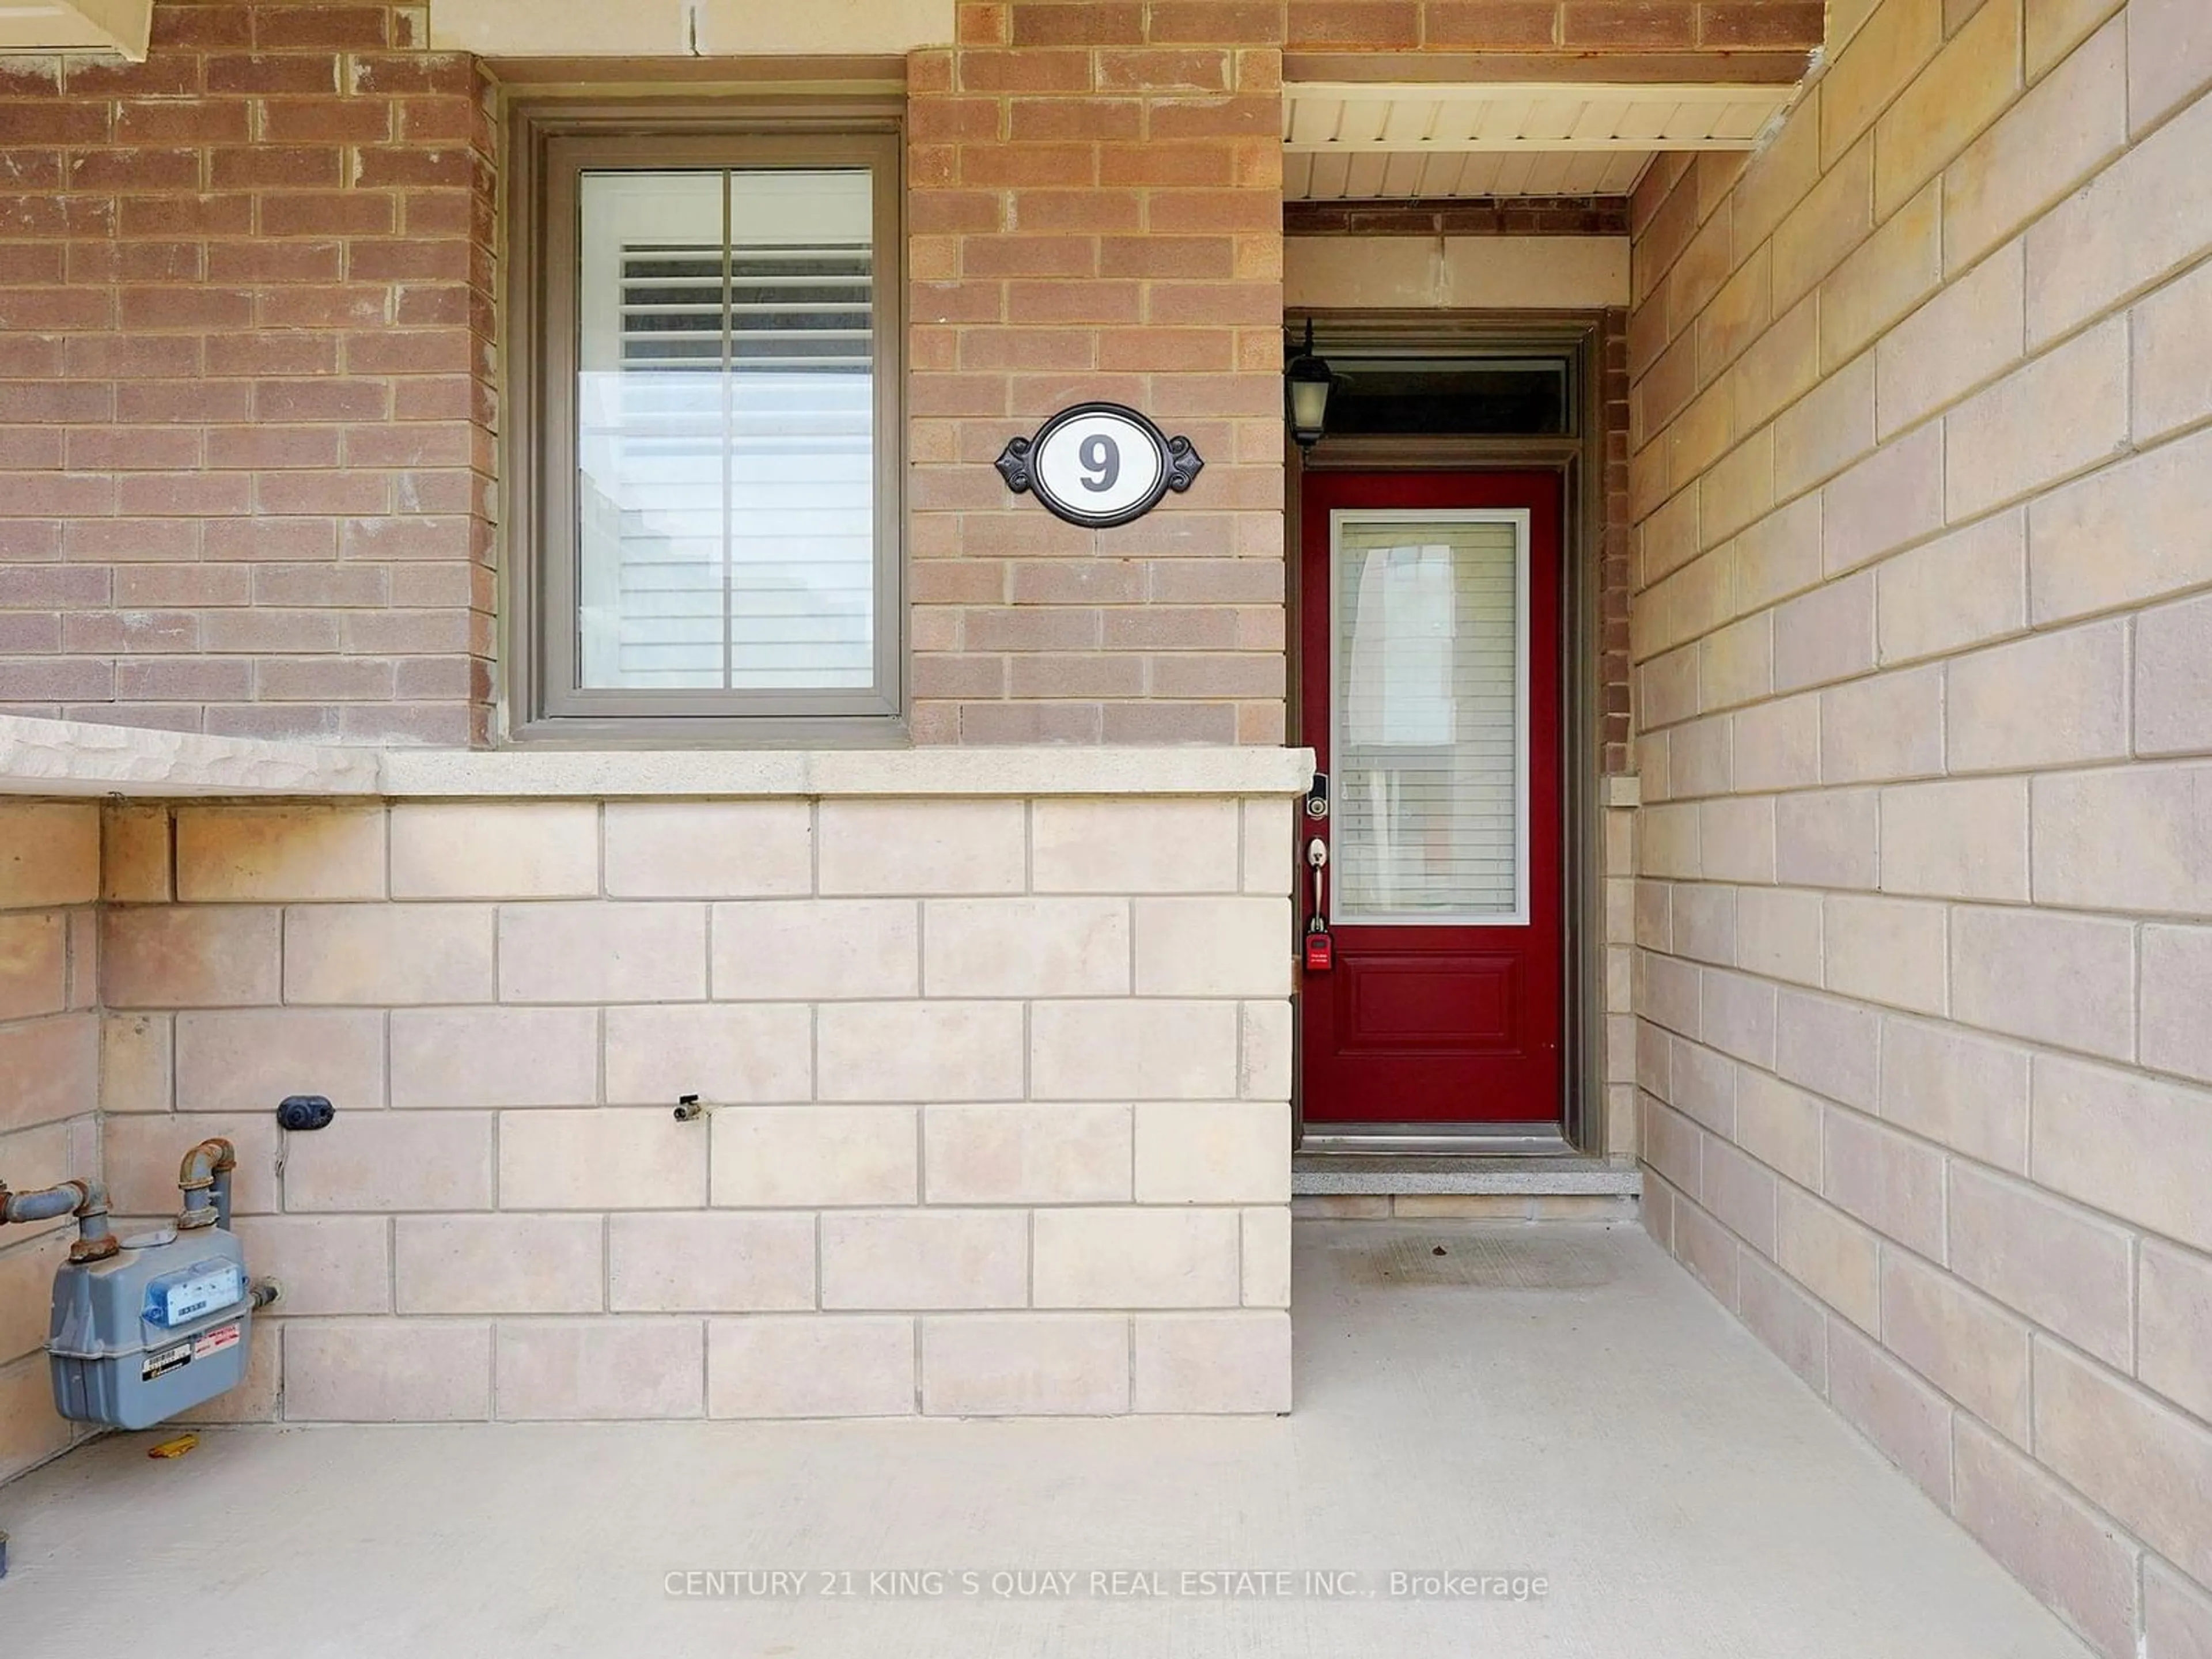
<point x="49" y="1087"/>
<point x="247" y="405"/>
<point x="1615" y="552"/>
<point x="1480" y="216"/>
<point x="999" y="1095"/>
<point x="245" y="393"/>
<point x="1582" y="26"/>
<point x="1096" y="212"/>
<point x="1922" y="404"/>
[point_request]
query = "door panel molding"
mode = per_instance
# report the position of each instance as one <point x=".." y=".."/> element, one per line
<point x="1491" y="984"/>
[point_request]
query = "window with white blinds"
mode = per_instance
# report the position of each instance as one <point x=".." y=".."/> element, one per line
<point x="726" y="522"/>
<point x="1430" y="716"/>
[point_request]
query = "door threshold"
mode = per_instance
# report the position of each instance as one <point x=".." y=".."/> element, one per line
<point x="1429" y="1140"/>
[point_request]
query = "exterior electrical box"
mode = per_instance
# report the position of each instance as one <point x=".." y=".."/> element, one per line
<point x="161" y="1326"/>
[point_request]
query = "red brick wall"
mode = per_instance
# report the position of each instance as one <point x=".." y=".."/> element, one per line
<point x="245" y="404"/>
<point x="1616" y="551"/>
<point x="1577" y="25"/>
<point x="1095" y="212"/>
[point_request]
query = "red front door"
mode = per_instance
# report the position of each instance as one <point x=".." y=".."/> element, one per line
<point x="1429" y="642"/>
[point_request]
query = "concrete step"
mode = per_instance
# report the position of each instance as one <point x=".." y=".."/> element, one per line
<point x="1427" y="1186"/>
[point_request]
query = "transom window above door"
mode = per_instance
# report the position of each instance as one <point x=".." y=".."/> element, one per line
<point x="711" y="521"/>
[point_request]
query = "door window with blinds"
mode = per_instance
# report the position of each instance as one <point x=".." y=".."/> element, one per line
<point x="716" y="508"/>
<point x="1429" y="705"/>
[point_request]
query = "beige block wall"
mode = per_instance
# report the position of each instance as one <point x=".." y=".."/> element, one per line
<point x="1618" y="1137"/>
<point x="678" y="29"/>
<point x="999" y="1099"/>
<point x="49" y="1087"/>
<point x="1468" y="273"/>
<point x="1922" y="474"/>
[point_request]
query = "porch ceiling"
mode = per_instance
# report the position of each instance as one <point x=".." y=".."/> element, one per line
<point x="1360" y="141"/>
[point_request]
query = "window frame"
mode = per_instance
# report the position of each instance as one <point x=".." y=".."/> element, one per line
<point x="553" y="146"/>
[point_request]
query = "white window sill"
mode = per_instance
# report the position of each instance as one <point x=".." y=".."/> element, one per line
<point x="70" y="757"/>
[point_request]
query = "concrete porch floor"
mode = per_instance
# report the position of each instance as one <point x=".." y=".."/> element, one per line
<point x="1555" y="1399"/>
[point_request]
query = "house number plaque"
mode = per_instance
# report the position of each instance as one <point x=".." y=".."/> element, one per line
<point x="1099" y="465"/>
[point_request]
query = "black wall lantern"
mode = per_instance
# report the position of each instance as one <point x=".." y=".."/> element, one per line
<point x="1306" y="383"/>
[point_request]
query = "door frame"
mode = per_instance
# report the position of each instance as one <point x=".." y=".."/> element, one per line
<point x="1579" y="460"/>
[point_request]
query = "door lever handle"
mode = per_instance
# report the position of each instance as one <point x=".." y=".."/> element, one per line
<point x="1317" y="862"/>
<point x="1320" y="953"/>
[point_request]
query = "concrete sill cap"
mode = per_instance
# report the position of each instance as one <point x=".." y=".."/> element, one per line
<point x="70" y="758"/>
